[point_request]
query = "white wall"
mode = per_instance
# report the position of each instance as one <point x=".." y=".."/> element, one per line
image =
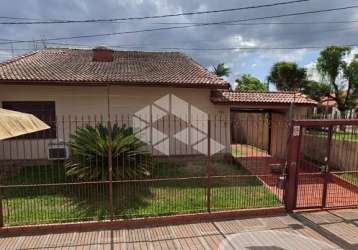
<point x="86" y="103"/>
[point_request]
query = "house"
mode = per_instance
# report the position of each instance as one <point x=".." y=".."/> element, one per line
<point x="327" y="107"/>
<point x="68" y="88"/>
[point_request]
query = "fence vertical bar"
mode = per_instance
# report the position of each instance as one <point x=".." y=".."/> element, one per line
<point x="1" y="208"/>
<point x="209" y="168"/>
<point x="110" y="165"/>
<point x="292" y="166"/>
<point x="326" y="167"/>
<point x="110" y="170"/>
<point x="269" y="149"/>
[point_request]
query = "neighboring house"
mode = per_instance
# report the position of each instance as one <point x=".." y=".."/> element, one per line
<point x="327" y="107"/>
<point x="73" y="84"/>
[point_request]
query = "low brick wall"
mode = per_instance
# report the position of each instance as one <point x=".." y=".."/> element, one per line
<point x="343" y="183"/>
<point x="255" y="165"/>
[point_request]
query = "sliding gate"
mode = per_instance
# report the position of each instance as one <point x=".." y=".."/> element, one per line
<point x="327" y="163"/>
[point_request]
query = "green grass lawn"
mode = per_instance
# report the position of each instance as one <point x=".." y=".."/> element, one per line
<point x="31" y="205"/>
<point x="351" y="177"/>
<point x="337" y="135"/>
<point x="48" y="208"/>
<point x="237" y="150"/>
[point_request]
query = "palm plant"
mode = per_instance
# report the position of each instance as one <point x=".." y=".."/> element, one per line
<point x="89" y="154"/>
<point x="287" y="76"/>
<point x="221" y="70"/>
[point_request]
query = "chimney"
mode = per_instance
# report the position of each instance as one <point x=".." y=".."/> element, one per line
<point x="102" y="54"/>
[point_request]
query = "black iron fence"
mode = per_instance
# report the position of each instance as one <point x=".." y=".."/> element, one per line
<point x="93" y="169"/>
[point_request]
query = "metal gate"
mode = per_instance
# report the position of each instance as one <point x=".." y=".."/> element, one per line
<point x="324" y="158"/>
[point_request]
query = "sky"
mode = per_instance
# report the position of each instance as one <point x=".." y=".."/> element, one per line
<point x="267" y="33"/>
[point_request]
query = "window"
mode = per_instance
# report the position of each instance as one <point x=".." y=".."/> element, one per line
<point x="42" y="110"/>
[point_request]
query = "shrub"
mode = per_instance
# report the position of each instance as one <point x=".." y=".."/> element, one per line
<point x="89" y="154"/>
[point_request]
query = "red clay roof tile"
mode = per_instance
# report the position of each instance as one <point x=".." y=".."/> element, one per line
<point x="75" y="66"/>
<point x="233" y="97"/>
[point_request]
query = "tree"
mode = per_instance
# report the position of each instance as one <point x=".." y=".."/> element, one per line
<point x="351" y="74"/>
<point x="248" y="82"/>
<point x="331" y="65"/>
<point x="315" y="90"/>
<point x="221" y="70"/>
<point x="287" y="76"/>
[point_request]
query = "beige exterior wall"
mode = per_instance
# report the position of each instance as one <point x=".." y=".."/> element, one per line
<point x="82" y="103"/>
<point x="251" y="129"/>
<point x="279" y="136"/>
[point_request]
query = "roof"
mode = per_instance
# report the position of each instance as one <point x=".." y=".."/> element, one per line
<point x="75" y="66"/>
<point x="327" y="102"/>
<point x="234" y="97"/>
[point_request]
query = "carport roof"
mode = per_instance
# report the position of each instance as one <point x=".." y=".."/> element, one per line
<point x="254" y="98"/>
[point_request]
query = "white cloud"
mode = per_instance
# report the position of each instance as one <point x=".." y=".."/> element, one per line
<point x="312" y="72"/>
<point x="240" y="41"/>
<point x="350" y="57"/>
<point x="291" y="56"/>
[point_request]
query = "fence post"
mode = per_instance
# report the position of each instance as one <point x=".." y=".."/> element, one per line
<point x="110" y="165"/>
<point x="1" y="208"/>
<point x="209" y="168"/>
<point x="292" y="166"/>
<point x="110" y="170"/>
<point x="326" y="169"/>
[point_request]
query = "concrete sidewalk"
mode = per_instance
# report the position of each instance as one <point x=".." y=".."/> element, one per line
<point x="266" y="232"/>
<point x="340" y="226"/>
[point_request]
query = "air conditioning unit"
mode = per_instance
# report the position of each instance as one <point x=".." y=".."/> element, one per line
<point x="57" y="151"/>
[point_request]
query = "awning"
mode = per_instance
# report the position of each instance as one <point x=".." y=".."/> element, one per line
<point x="13" y="123"/>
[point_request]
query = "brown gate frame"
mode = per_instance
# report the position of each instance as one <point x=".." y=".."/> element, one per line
<point x="293" y="158"/>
